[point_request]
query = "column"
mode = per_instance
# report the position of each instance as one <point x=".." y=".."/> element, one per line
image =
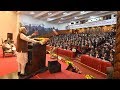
<point x="116" y="73"/>
<point x="18" y="24"/>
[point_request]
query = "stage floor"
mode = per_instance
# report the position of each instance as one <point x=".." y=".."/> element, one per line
<point x="64" y="74"/>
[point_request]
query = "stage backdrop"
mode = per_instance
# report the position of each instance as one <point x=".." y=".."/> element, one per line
<point x="41" y="30"/>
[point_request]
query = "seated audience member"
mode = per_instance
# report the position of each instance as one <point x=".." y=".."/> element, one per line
<point x="74" y="50"/>
<point x="6" y="46"/>
<point x="52" y="52"/>
<point x="78" y="52"/>
<point x="9" y="40"/>
<point x="13" y="47"/>
<point x="96" y="44"/>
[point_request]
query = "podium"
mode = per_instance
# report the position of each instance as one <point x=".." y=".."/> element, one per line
<point x="36" y="59"/>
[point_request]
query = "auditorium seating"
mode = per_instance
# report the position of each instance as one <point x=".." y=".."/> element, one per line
<point x="95" y="63"/>
<point x="62" y="52"/>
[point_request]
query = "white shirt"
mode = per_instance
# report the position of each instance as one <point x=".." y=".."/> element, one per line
<point x="7" y="45"/>
<point x="73" y="50"/>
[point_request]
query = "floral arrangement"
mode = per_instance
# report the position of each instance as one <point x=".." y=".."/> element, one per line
<point x="69" y="62"/>
<point x="77" y="70"/>
<point x="89" y="76"/>
<point x="53" y="56"/>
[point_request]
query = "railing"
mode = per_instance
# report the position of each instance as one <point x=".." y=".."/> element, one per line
<point x="62" y="52"/>
<point x="98" y="64"/>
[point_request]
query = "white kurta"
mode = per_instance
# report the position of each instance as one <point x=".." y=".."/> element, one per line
<point x="22" y="58"/>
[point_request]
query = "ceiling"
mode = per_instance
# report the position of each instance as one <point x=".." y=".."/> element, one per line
<point x="58" y="17"/>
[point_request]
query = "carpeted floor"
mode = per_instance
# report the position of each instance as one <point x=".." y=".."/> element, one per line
<point x="8" y="65"/>
<point x="64" y="74"/>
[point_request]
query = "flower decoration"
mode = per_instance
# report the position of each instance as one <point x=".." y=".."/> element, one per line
<point x="89" y="76"/>
<point x="68" y="63"/>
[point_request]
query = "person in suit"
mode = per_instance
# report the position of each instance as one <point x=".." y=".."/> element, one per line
<point x="22" y="49"/>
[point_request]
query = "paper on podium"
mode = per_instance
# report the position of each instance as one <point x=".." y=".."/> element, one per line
<point x="44" y="40"/>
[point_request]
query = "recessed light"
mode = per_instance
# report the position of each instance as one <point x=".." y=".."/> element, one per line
<point x="32" y="13"/>
<point x="18" y="12"/>
<point x="49" y="13"/>
<point x="82" y="12"/>
<point x="62" y="18"/>
<point x="64" y="13"/>
<point x="76" y="18"/>
<point x="7" y="11"/>
<point x="60" y="22"/>
<point x="50" y="19"/>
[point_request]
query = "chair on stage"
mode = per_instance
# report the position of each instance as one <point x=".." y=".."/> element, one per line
<point x="5" y="52"/>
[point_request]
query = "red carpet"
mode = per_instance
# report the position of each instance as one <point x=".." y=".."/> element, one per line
<point x="86" y="70"/>
<point x="64" y="74"/>
<point x="7" y="64"/>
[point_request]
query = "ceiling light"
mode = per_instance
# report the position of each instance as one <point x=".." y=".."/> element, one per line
<point x="82" y="12"/>
<point x="32" y="13"/>
<point x="62" y="18"/>
<point x="60" y="22"/>
<point x="18" y="12"/>
<point x="93" y="16"/>
<point x="50" y="19"/>
<point x="76" y="18"/>
<point x="64" y="13"/>
<point x="7" y="11"/>
<point x="49" y="13"/>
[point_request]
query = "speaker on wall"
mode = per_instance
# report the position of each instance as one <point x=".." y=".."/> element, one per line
<point x="77" y="22"/>
<point x="72" y="22"/>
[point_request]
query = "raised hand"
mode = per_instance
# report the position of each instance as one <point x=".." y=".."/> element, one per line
<point x="35" y="33"/>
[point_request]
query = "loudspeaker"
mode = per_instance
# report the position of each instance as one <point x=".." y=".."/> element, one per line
<point x="54" y="66"/>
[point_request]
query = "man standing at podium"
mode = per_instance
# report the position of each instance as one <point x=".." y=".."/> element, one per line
<point x="22" y="49"/>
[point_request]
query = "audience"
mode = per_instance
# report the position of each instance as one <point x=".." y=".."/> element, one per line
<point x="97" y="44"/>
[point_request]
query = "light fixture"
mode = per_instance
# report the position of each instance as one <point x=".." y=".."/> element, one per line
<point x="50" y="19"/>
<point x="62" y="18"/>
<point x="82" y="12"/>
<point x="49" y="13"/>
<point x="93" y="17"/>
<point x="78" y="21"/>
<point x="64" y="13"/>
<point x="7" y="11"/>
<point x="76" y="18"/>
<point x="18" y="12"/>
<point x="59" y="21"/>
<point x="32" y="12"/>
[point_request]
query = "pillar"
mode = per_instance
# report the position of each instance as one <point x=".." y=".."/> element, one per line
<point x="116" y="73"/>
